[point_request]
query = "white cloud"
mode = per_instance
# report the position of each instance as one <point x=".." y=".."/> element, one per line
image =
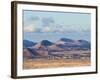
<point x="46" y="29"/>
<point x="30" y="28"/>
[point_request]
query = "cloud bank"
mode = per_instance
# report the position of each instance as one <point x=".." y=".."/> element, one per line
<point x="48" y="24"/>
<point x="56" y="29"/>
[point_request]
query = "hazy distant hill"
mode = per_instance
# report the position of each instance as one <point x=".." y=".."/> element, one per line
<point x="66" y="40"/>
<point x="27" y="43"/>
<point x="46" y="43"/>
<point x="73" y="44"/>
<point x="43" y="45"/>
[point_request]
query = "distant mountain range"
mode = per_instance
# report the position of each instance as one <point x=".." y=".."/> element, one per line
<point x="45" y="47"/>
<point x="27" y="43"/>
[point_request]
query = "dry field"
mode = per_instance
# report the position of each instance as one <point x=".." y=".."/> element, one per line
<point x="70" y="59"/>
<point x="45" y="63"/>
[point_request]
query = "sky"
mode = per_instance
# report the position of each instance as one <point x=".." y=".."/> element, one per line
<point x="52" y="25"/>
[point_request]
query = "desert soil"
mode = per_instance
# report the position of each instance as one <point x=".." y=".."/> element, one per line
<point x="44" y="63"/>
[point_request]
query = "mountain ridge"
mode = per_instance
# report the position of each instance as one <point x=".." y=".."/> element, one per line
<point x="45" y="47"/>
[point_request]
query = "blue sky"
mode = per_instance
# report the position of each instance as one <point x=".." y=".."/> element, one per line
<point x="48" y="25"/>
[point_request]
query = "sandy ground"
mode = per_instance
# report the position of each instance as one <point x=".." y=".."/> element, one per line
<point x="44" y="63"/>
